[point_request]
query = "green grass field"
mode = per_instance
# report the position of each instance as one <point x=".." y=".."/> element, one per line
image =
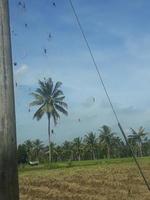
<point x="116" y="179"/>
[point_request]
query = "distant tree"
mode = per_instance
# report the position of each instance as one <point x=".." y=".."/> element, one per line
<point x="117" y="147"/>
<point x="57" y="153"/>
<point x="138" y="137"/>
<point x="106" y="145"/>
<point x="54" y="151"/>
<point x="106" y="138"/>
<point x="146" y="146"/>
<point x="50" y="99"/>
<point x="29" y="149"/>
<point x="38" y="147"/>
<point x="91" y="143"/>
<point x="133" y="144"/>
<point x="67" y="150"/>
<point x="22" y="154"/>
<point x="78" y="147"/>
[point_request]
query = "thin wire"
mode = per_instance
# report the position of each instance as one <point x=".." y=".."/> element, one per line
<point x="92" y="56"/>
<point x="106" y="92"/>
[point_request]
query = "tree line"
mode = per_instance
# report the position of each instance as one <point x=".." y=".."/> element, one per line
<point x="103" y="144"/>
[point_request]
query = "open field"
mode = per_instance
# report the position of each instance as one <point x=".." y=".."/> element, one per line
<point x="117" y="179"/>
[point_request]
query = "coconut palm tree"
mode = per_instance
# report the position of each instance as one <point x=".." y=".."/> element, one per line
<point x="106" y="138"/>
<point x="78" y="147"/>
<point x="133" y="144"/>
<point x="67" y="150"/>
<point x="146" y="146"/>
<point x="38" y="147"/>
<point x="138" y="137"/>
<point x="117" y="146"/>
<point x="22" y="156"/>
<point x="57" y="153"/>
<point x="91" y="143"/>
<point x="29" y="149"/>
<point x="50" y="101"/>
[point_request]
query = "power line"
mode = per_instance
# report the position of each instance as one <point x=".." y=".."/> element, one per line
<point x="106" y="92"/>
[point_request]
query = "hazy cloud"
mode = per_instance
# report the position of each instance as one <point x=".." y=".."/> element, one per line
<point x="21" y="72"/>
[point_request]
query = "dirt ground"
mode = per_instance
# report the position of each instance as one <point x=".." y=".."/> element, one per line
<point x="116" y="182"/>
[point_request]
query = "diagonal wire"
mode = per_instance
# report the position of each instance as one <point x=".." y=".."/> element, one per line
<point x="106" y="92"/>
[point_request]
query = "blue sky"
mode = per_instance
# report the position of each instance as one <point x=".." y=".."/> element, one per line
<point x="119" y="35"/>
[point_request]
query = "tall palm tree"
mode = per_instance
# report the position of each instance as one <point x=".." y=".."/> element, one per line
<point x="38" y="147"/>
<point x="91" y="142"/>
<point x="29" y="149"/>
<point x="117" y="146"/>
<point x="50" y="100"/>
<point x="78" y="147"/>
<point x="138" y="137"/>
<point x="106" y="138"/>
<point x="133" y="144"/>
<point x="57" y="153"/>
<point x="67" y="150"/>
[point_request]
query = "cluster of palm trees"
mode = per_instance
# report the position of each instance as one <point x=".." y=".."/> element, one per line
<point x="103" y="144"/>
<point x="136" y="140"/>
<point x="30" y="151"/>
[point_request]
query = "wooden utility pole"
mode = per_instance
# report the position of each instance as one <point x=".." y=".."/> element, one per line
<point x="8" y="164"/>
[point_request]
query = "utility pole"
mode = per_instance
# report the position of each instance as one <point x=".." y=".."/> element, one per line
<point x="8" y="164"/>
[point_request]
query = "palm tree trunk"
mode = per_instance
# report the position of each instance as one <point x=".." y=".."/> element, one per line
<point x="71" y="157"/>
<point x="108" y="152"/>
<point x="49" y="139"/>
<point x="140" y="146"/>
<point x="79" y="157"/>
<point x="93" y="155"/>
<point x="37" y="155"/>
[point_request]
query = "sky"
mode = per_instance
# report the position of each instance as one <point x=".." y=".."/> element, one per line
<point x="119" y="35"/>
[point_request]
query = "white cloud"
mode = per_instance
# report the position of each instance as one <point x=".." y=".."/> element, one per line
<point x="21" y="72"/>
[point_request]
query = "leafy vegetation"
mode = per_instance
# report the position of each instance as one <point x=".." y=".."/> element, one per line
<point x="137" y="137"/>
<point x="100" y="145"/>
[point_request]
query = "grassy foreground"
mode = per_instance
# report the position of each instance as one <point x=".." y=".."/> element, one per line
<point x="116" y="179"/>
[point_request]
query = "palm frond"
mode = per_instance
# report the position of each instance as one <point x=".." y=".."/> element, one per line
<point x="133" y="131"/>
<point x="42" y="84"/>
<point x="61" y="109"/>
<point x="58" y="93"/>
<point x="49" y="86"/>
<point x="41" y="92"/>
<point x="57" y="85"/>
<point x="59" y="98"/>
<point x="132" y="136"/>
<point x="36" y="103"/>
<point x="37" y="96"/>
<point x="55" y="116"/>
<point x="39" y="113"/>
<point x="62" y="104"/>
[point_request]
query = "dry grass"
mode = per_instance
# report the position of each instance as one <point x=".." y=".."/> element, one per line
<point x="109" y="182"/>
